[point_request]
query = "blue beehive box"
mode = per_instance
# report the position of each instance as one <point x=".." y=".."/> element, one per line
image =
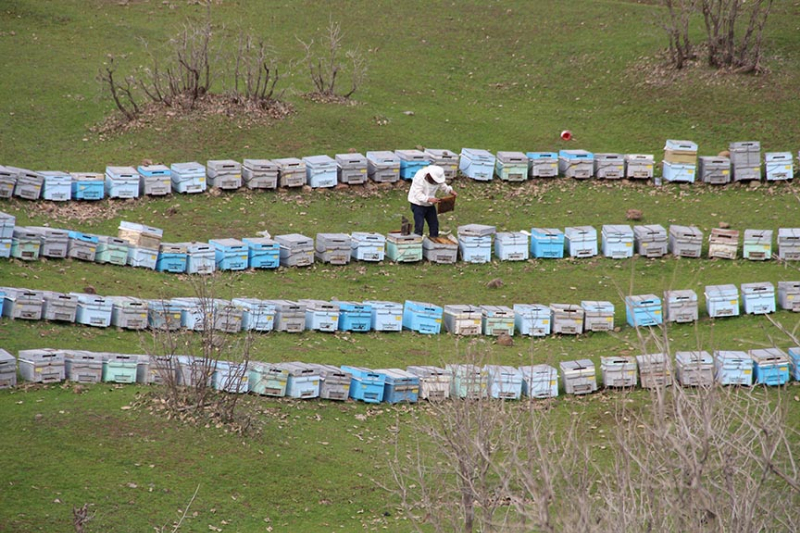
<point x="581" y="241"/>
<point x="88" y="185"/>
<point x="386" y="316"/>
<point x="321" y="171"/>
<point x="56" y="185"/>
<point x="504" y="382"/>
<point x="468" y="381"/>
<point x="411" y="161"/>
<point x="511" y="246"/>
<point x="262" y="252"/>
<point x="119" y="368"/>
<point x="142" y="257"/>
<point x="303" y="381"/>
<point x="477" y="164"/>
<point x="321" y="315"/>
<point x="122" y="182"/>
<point x="172" y="257"/>
<point x="733" y="368"/>
<point x="779" y="166"/>
<point x="367" y="246"/>
<point x="422" y="317"/>
<point x="617" y="241"/>
<point x="267" y="379"/>
<point x="93" y="310"/>
<point x="354" y="316"/>
<point x="758" y="298"/>
<point x="188" y="177"/>
<point x="383" y="166"/>
<point x="547" y="243"/>
<point x="230" y="377"/>
<point x="257" y="315"/>
<point x="542" y="164"/>
<point x="722" y="300"/>
<point x="365" y="385"/>
<point x="511" y="166"/>
<point x="643" y="310"/>
<point x="200" y="258"/>
<point x="577" y="164"/>
<point x="399" y="385"/>
<point x="82" y="246"/>
<point x="679" y="172"/>
<point x="403" y="248"/>
<point x="794" y="362"/>
<point x="770" y="366"/>
<point x="532" y="319"/>
<point x="230" y="254"/>
<point x="475" y="243"/>
<point x="154" y="180"/>
<point x="757" y="244"/>
<point x="539" y="381"/>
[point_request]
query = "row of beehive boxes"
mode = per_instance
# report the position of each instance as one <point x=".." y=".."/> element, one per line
<point x="767" y="366"/>
<point x="142" y="246"/>
<point x="323" y="171"/>
<point x="264" y="315"/>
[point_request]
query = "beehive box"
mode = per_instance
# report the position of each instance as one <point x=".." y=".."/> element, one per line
<point x="639" y="166"/>
<point x="25" y="245"/>
<point x="8" y="179"/>
<point x="681" y="152"/>
<point x="779" y="166"/>
<point x="28" y="184"/>
<point x="8" y="370"/>
<point x="789" y="295"/>
<point x="290" y="316"/>
<point x="93" y="310"/>
<point x="54" y="242"/>
<point x="333" y="248"/>
<point x="56" y="185"/>
<point x="355" y="316"/>
<point x="260" y="174"/>
<point x="22" y="304"/>
<point x="442" y="249"/>
<point x="539" y="381"/>
<point x="227" y="316"/>
<point x="422" y="317"/>
<point x="678" y="172"/>
<point x="404" y="248"/>
<point x="194" y="371"/>
<point x="230" y="377"/>
<point x="567" y="319"/>
<point x="59" y="307"/>
<point x="154" y="180"/>
<point x="42" y="365"/>
<point x="189" y="178"/>
<point x="643" y="310"/>
<point x="578" y="377"/>
<point x="196" y="313"/>
<point x="82" y="246"/>
<point x="122" y="182"/>
<point x="618" y="371"/>
<point x="770" y="366"/>
<point x="654" y="370"/>
<point x="722" y="300"/>
<point x="650" y="240"/>
<point x="303" y="381"/>
<point x="351" y="168"/>
<point x="446" y="159"/>
<point x="609" y="166"/>
<point x="577" y="164"/>
<point x="694" y="368"/>
<point x="267" y="379"/>
<point x="172" y="257"/>
<point x="547" y="243"/>
<point x="163" y="315"/>
<point x="497" y="320"/>
<point x="111" y="250"/>
<point x="224" y="174"/>
<point x="434" y="382"/>
<point x="262" y="252"/>
<point x="386" y="316"/>
<point x="7" y="225"/>
<point x="597" y="315"/>
<point x="200" y="258"/>
<point x="230" y="254"/>
<point x="399" y="385"/>
<point x="723" y="243"/>
<point x="88" y="186"/>
<point x="733" y="368"/>
<point x="321" y="315"/>
<point x="257" y="315"/>
<point x="617" y="241"/>
<point x="411" y="162"/>
<point x="142" y="257"/>
<point x="468" y="381"/>
<point x="542" y="164"/>
<point x="462" y="319"/>
<point x="511" y="166"/>
<point x="757" y="245"/>
<point x="334" y="382"/>
<point x="128" y="312"/>
<point x="532" y="319"/>
<point x="321" y="171"/>
<point x="365" y="246"/>
<point x="5" y="248"/>
<point x="745" y="160"/>
<point x="120" y="368"/>
<point x="475" y="242"/>
<point x="366" y="385"/>
<point x="503" y="382"/>
<point x="789" y="244"/>
<point x="291" y="172"/>
<point x="758" y="298"/>
<point x="581" y="241"/>
<point x="140" y="235"/>
<point x="715" y="170"/>
<point x="794" y="363"/>
<point x="295" y="250"/>
<point x="680" y="306"/>
<point x="511" y="246"/>
<point x="477" y="164"/>
<point x="383" y="166"/>
<point x="685" y="241"/>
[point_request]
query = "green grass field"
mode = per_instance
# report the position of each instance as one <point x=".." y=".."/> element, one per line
<point x="493" y="75"/>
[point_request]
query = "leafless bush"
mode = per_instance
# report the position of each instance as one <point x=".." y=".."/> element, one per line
<point x="676" y="26"/>
<point x="256" y="73"/>
<point x="121" y="91"/>
<point x="326" y="64"/>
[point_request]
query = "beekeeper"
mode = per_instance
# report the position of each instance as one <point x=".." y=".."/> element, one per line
<point x="427" y="182"/>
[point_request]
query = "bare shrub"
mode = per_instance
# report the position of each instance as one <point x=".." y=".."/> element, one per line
<point x="676" y="26"/>
<point x="326" y="64"/>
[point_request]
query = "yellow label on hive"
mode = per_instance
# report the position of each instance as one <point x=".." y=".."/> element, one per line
<point x="747" y="371"/>
<point x="609" y="318"/>
<point x="628" y="244"/>
<point x="734" y="302"/>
